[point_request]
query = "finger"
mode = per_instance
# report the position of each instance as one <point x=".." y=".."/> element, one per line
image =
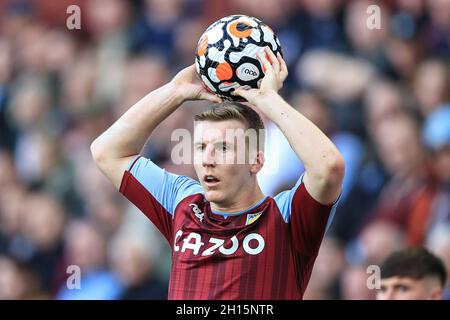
<point x="242" y="93"/>
<point x="267" y="67"/>
<point x="204" y="95"/>
<point x="283" y="67"/>
<point x="273" y="59"/>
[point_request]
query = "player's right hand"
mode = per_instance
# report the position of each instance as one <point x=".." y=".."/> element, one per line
<point x="189" y="86"/>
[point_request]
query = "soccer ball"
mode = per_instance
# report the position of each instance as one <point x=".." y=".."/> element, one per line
<point x="226" y="54"/>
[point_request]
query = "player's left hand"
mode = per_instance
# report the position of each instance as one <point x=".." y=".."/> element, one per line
<point x="275" y="73"/>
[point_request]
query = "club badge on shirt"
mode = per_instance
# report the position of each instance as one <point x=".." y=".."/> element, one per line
<point x="252" y="217"/>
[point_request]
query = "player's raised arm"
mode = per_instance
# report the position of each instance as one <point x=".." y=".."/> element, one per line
<point x="114" y="148"/>
<point x="324" y="164"/>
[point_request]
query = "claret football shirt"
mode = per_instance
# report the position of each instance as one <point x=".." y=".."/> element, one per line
<point x="265" y="252"/>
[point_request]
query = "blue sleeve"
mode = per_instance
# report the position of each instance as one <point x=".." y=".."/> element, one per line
<point x="167" y="188"/>
<point x="285" y="200"/>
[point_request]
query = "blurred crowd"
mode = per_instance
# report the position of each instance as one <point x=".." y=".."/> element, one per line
<point x="382" y="96"/>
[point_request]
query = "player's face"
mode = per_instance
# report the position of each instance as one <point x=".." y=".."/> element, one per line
<point x="222" y="160"/>
<point x="396" y="288"/>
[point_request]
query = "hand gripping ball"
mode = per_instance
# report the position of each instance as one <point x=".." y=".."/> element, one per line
<point x="226" y="54"/>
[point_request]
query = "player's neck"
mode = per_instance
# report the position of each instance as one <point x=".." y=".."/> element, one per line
<point x="242" y="203"/>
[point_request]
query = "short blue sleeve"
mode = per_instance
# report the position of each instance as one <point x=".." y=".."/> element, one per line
<point x="167" y="188"/>
<point x="285" y="201"/>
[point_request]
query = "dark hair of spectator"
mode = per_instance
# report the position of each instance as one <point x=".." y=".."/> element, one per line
<point x="416" y="263"/>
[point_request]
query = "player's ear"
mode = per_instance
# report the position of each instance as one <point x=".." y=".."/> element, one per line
<point x="257" y="162"/>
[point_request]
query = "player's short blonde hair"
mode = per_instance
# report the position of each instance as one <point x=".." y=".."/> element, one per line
<point x="231" y="110"/>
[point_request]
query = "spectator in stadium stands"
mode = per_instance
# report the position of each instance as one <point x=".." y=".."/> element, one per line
<point x="438" y="242"/>
<point x="436" y="135"/>
<point x="85" y="248"/>
<point x="438" y="31"/>
<point x="412" y="186"/>
<point x="412" y="274"/>
<point x="324" y="283"/>
<point x="373" y="248"/>
<point x="315" y="108"/>
<point x="19" y="281"/>
<point x="133" y="261"/>
<point x="354" y="284"/>
<point x="41" y="227"/>
<point x="431" y="85"/>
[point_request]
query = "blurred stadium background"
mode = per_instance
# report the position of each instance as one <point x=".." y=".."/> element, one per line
<point x="383" y="96"/>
